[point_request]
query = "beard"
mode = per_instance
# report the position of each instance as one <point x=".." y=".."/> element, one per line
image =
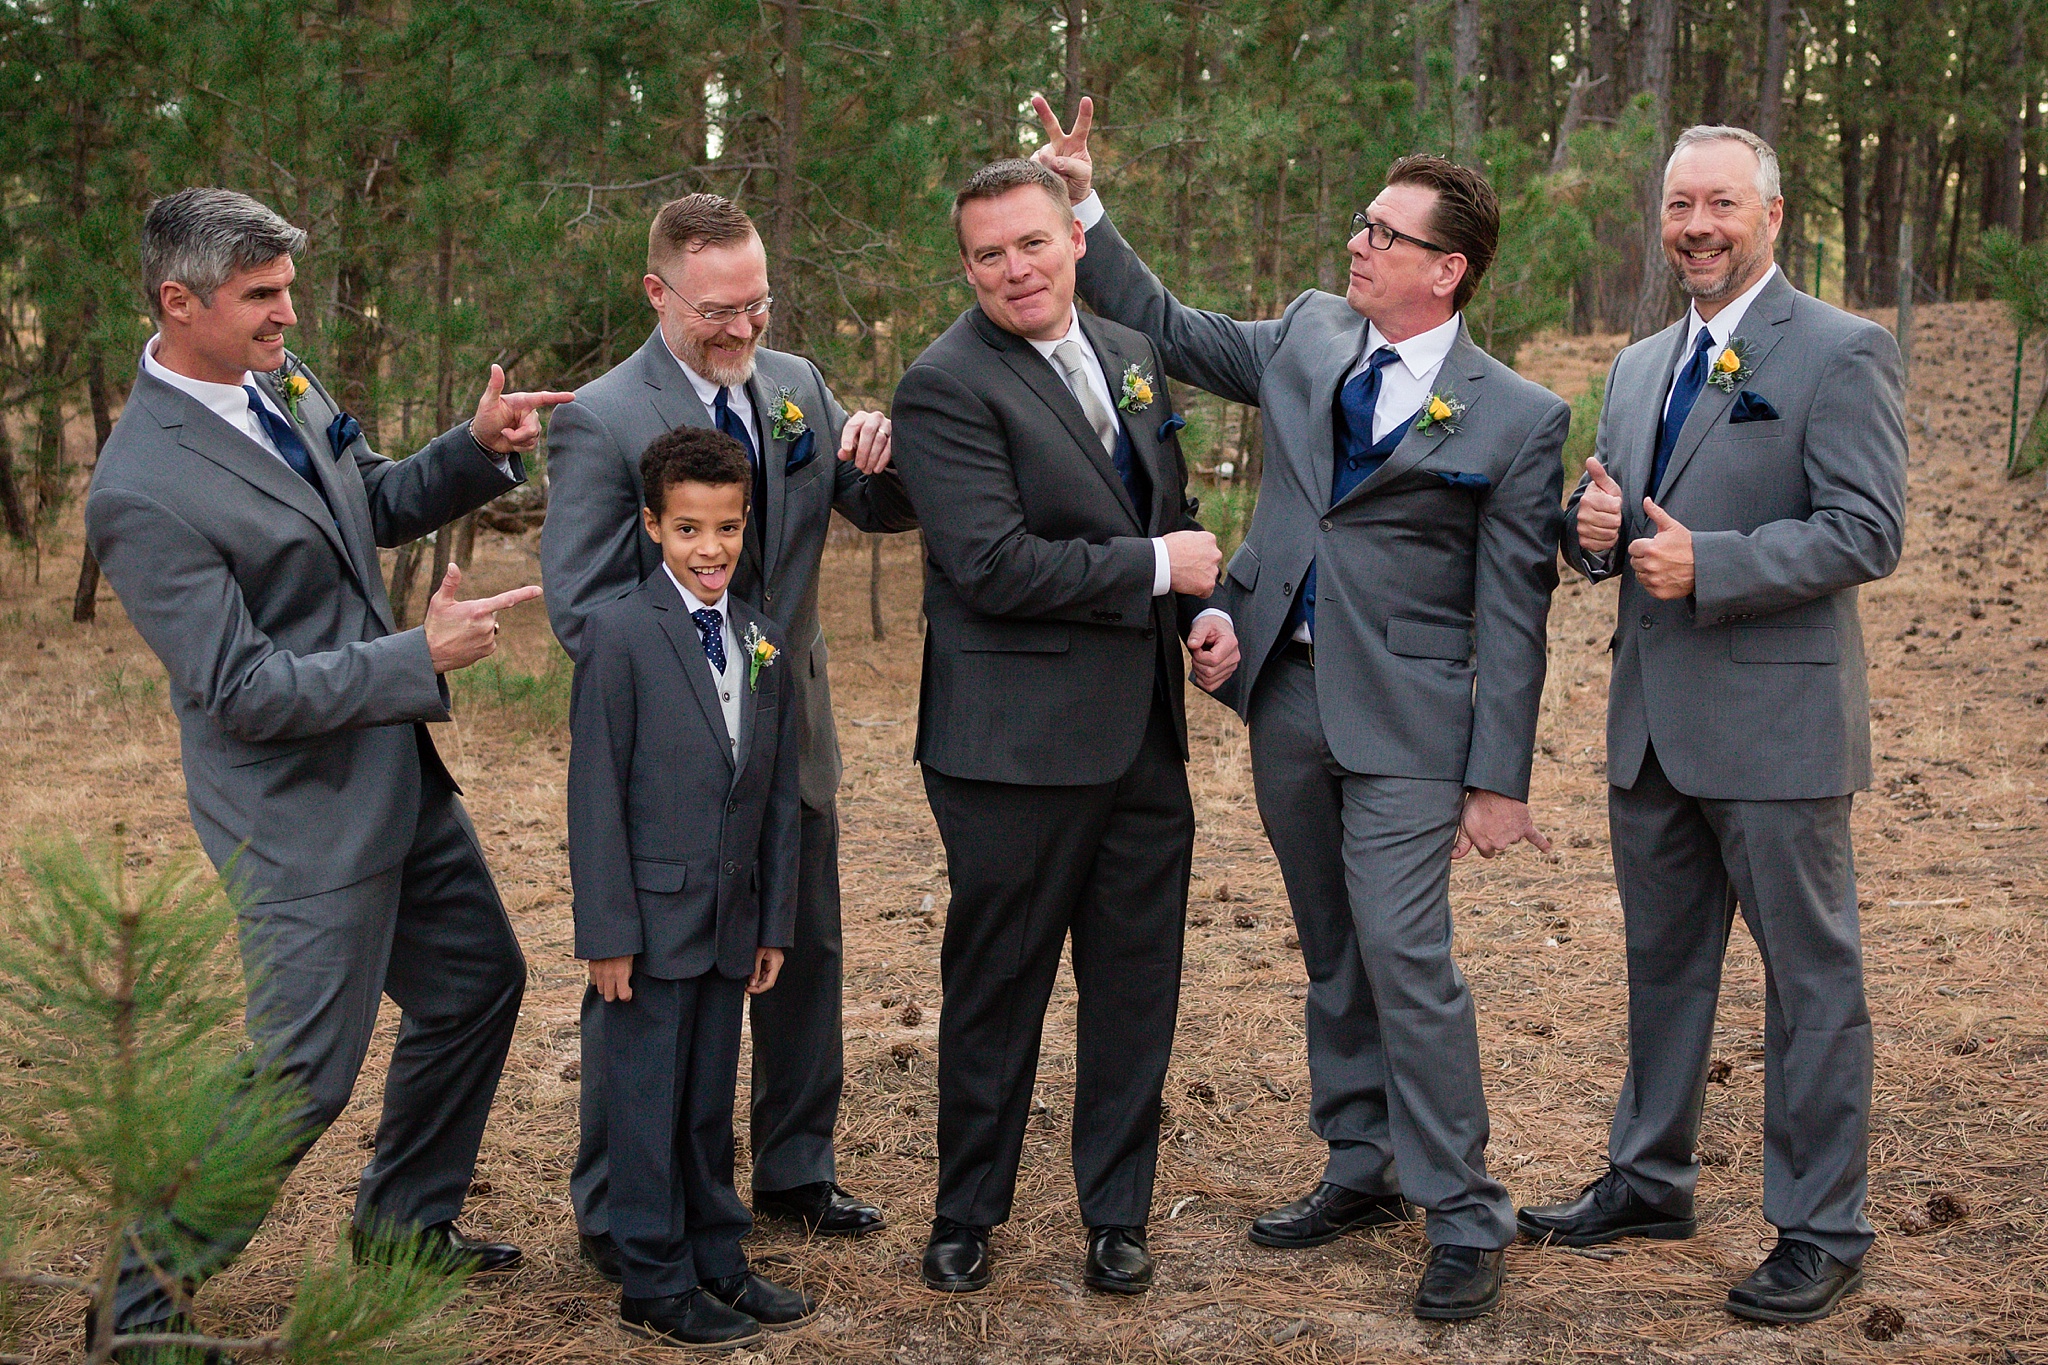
<point x="1741" y="272"/>
<point x="720" y="367"/>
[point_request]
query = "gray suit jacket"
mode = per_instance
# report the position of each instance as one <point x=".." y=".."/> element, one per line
<point x="593" y="550"/>
<point x="1434" y="575"/>
<point x="675" y="854"/>
<point x="1045" y="644"/>
<point x="1754" y="688"/>
<point x="298" y="704"/>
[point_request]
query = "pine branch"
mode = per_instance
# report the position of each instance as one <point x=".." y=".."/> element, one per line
<point x="260" y="1347"/>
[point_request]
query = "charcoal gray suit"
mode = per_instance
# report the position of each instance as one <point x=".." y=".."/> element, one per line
<point x="593" y="551"/>
<point x="685" y="860"/>
<point x="1054" y="746"/>
<point x="1737" y="728"/>
<point x="1434" y="578"/>
<point x="299" y="712"/>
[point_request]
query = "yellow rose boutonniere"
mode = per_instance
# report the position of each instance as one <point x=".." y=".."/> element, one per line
<point x="760" y="653"/>
<point x="1137" y="390"/>
<point x="788" y="423"/>
<point x="1441" y="409"/>
<point x="292" y="388"/>
<point x="1733" y="367"/>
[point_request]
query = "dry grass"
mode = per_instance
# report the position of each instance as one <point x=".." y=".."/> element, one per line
<point x="1953" y="880"/>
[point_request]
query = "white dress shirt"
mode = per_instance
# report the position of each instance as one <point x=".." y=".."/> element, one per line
<point x="226" y="401"/>
<point x="707" y="394"/>
<point x="1095" y="379"/>
<point x="1405" y="386"/>
<point x="1720" y="329"/>
<point x="728" y="683"/>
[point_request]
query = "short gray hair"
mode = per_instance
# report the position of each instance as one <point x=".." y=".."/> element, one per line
<point x="998" y="178"/>
<point x="202" y="236"/>
<point x="1767" y="184"/>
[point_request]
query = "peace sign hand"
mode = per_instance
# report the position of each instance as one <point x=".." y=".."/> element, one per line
<point x="1065" y="154"/>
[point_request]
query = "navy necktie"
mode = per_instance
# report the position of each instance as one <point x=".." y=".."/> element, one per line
<point x="729" y="422"/>
<point x="712" y="629"/>
<point x="285" y="437"/>
<point x="1358" y="456"/>
<point x="1685" y="391"/>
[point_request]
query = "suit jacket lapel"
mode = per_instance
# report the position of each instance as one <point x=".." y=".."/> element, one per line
<point x="668" y="388"/>
<point x="774" y="454"/>
<point x="1320" y="450"/>
<point x="1761" y="327"/>
<point x="1642" y="444"/>
<point x="1144" y="443"/>
<point x="362" y="544"/>
<point x="1037" y="372"/>
<point x="674" y="615"/>
<point x="1463" y="373"/>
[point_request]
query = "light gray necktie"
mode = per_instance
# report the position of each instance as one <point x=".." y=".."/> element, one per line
<point x="1073" y="362"/>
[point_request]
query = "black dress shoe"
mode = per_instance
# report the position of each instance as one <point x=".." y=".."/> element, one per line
<point x="1605" y="1210"/>
<point x="1324" y="1214"/>
<point x="601" y="1254"/>
<point x="1459" y="1283"/>
<point x="824" y="1208"/>
<point x="693" y="1320"/>
<point x="956" y="1257"/>
<point x="1798" y="1282"/>
<point x="1118" y="1262"/>
<point x="763" y="1300"/>
<point x="441" y="1243"/>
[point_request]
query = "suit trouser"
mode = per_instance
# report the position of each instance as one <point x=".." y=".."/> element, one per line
<point x="432" y="934"/>
<point x="799" y="1050"/>
<point x="1683" y="866"/>
<point x="672" y="1056"/>
<point x="1393" y="1044"/>
<point x="1028" y="865"/>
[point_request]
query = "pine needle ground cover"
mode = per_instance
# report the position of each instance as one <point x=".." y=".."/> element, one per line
<point x="1954" y="877"/>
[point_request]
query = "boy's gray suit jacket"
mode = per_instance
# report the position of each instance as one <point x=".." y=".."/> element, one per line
<point x="593" y="551"/>
<point x="1434" y="575"/>
<point x="676" y="854"/>
<point x="1754" y="687"/>
<point x="298" y="703"/>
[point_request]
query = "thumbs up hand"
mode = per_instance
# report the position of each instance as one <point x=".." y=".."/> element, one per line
<point x="1663" y="562"/>
<point x="1599" y="510"/>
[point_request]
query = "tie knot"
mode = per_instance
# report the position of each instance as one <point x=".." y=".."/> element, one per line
<point x="1704" y="340"/>
<point x="1068" y="353"/>
<point x="721" y="403"/>
<point x="1383" y="357"/>
<point x="706" y="618"/>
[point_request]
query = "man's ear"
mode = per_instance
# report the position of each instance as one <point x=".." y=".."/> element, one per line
<point x="175" y="301"/>
<point x="1450" y="274"/>
<point x="1080" y="240"/>
<point x="655" y="290"/>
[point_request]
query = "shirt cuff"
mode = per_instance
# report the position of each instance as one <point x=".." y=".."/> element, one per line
<point x="1162" y="568"/>
<point x="1089" y="211"/>
<point x="1217" y="611"/>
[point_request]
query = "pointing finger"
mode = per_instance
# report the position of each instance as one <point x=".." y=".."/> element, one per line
<point x="527" y="402"/>
<point x="506" y="600"/>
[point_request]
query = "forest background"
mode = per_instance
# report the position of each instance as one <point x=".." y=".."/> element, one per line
<point x="477" y="178"/>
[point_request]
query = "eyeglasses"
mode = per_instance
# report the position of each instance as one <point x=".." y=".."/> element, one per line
<point x="1383" y="237"/>
<point x="719" y="316"/>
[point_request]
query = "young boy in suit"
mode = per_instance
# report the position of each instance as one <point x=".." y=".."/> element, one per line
<point x="683" y="855"/>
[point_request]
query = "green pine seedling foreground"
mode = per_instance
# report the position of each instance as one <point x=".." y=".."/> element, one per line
<point x="137" y="1118"/>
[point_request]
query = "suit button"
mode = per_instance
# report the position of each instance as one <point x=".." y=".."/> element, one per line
<point x="1287" y="590"/>
<point x="767" y="599"/>
<point x="732" y="869"/>
<point x="1326" y="523"/>
<point x="1646" y="623"/>
<point x="732" y="808"/>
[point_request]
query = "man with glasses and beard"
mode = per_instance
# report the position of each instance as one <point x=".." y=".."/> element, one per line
<point x="1389" y="602"/>
<point x="703" y="366"/>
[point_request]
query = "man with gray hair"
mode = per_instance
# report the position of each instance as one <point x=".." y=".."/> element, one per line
<point x="1749" y="474"/>
<point x="237" y="512"/>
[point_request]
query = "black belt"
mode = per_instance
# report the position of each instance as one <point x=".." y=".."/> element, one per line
<point x="1299" y="650"/>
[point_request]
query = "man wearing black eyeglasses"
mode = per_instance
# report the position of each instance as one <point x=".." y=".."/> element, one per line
<point x="1389" y="602"/>
<point x="704" y="366"/>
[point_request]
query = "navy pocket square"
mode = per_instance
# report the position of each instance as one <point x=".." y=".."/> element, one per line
<point x="1752" y="407"/>
<point x="802" y="453"/>
<point x="1458" y="478"/>
<point x="343" y="432"/>
<point x="1171" y="425"/>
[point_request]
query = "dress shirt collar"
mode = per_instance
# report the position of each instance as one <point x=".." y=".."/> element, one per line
<point x="1073" y="333"/>
<point x="227" y="401"/>
<point x="1422" y="354"/>
<point x="1728" y="319"/>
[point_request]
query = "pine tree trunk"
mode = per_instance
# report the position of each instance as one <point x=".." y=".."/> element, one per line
<point x="1653" y="38"/>
<point x="875" y="585"/>
<point x="2034" y="205"/>
<point x="85" y="597"/>
<point x="1075" y="14"/>
<point x="13" y="515"/>
<point x="782" y="255"/>
<point x="1850" y="145"/>
<point x="1770" y="81"/>
<point x="1467" y="113"/>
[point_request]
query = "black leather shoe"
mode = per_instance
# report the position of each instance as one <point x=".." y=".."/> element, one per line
<point x="823" y="1207"/>
<point x="1324" y="1214"/>
<point x="956" y="1258"/>
<point x="1118" y="1262"/>
<point x="763" y="1300"/>
<point x="1605" y="1210"/>
<point x="1459" y="1283"/>
<point x="601" y="1254"/>
<point x="693" y="1320"/>
<point x="1798" y="1282"/>
<point x="444" y="1244"/>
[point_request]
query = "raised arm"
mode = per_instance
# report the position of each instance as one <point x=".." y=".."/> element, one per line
<point x="590" y="542"/>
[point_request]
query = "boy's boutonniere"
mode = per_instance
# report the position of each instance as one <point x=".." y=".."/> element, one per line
<point x="760" y="653"/>
<point x="1441" y="409"/>
<point x="1137" y="390"/>
<point x="788" y="422"/>
<point x="1733" y="367"/>
<point x="291" y="388"/>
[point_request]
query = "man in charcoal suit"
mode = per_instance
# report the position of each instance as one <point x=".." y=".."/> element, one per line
<point x="707" y="279"/>
<point x="1749" y="474"/>
<point x="237" y="513"/>
<point x="1063" y="568"/>
<point x="1390" y="598"/>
